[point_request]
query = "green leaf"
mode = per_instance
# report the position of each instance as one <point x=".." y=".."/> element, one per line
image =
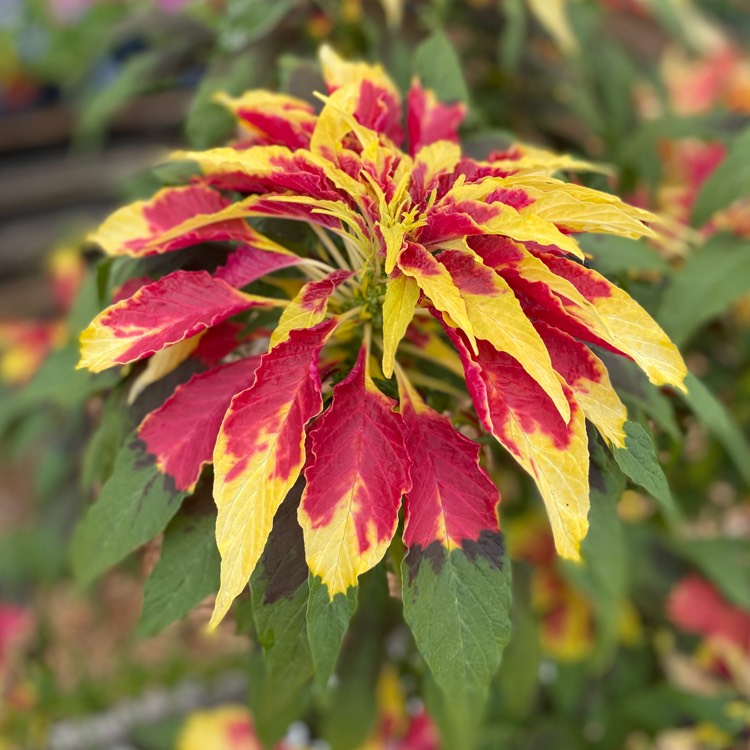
<point x="726" y="562"/>
<point x="654" y="707"/>
<point x="517" y="682"/>
<point x="280" y="681"/>
<point x="710" y="281"/>
<point x="730" y="181"/>
<point x="136" y="76"/>
<point x="246" y="21"/>
<point x="327" y="623"/>
<point x="603" y="576"/>
<point x="719" y="423"/>
<point x="60" y="383"/>
<point x="353" y="698"/>
<point x="457" y="604"/>
<point x="439" y="69"/>
<point x="209" y="123"/>
<point x="639" y="462"/>
<point x="102" y="449"/>
<point x="514" y="33"/>
<point x="637" y="392"/>
<point x="135" y="505"/>
<point x="614" y="255"/>
<point x="31" y="555"/>
<point x="187" y="572"/>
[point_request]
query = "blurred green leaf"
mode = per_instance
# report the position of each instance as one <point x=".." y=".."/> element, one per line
<point x="439" y="68"/>
<point x="354" y="695"/>
<point x="512" y="42"/>
<point x="713" y="277"/>
<point x="246" y="21"/>
<point x="516" y="684"/>
<point x="730" y="181"/>
<point x="104" y="445"/>
<point x="719" y="423"/>
<point x="656" y="707"/>
<point x="603" y="576"/>
<point x="639" y="394"/>
<point x="208" y="123"/>
<point x="614" y="255"/>
<point x="31" y="555"/>
<point x="135" y="76"/>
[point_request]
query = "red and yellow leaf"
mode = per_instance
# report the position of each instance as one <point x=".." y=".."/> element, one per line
<point x="543" y="294"/>
<point x="436" y="283"/>
<point x="452" y="501"/>
<point x="174" y="218"/>
<point x="575" y="208"/>
<point x="250" y="262"/>
<point x="376" y="103"/>
<point x="514" y="408"/>
<point x="496" y="316"/>
<point x="273" y="170"/>
<point x="433" y="162"/>
<point x="589" y="380"/>
<point x="628" y="326"/>
<point x="180" y="436"/>
<point x="309" y="306"/>
<point x="357" y="472"/>
<point x="270" y="118"/>
<point x="260" y="452"/>
<point x="158" y="315"/>
<point x="471" y="210"/>
<point x="428" y="120"/>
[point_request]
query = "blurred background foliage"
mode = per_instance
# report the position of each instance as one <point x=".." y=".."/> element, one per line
<point x="648" y="646"/>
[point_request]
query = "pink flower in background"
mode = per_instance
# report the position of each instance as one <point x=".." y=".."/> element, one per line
<point x="16" y="625"/>
<point x="719" y="79"/>
<point x="696" y="606"/>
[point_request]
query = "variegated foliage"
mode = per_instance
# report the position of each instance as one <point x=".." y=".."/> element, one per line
<point x="421" y="255"/>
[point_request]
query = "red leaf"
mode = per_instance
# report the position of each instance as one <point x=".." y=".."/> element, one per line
<point x="452" y="500"/>
<point x="429" y="120"/>
<point x="160" y="314"/>
<point x="356" y="474"/>
<point x="514" y="408"/>
<point x="248" y="263"/>
<point x="181" y="433"/>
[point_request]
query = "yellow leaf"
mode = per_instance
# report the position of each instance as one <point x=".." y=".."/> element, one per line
<point x="401" y="295"/>
<point x="162" y="363"/>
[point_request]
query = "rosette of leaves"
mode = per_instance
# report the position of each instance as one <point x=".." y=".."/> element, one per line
<point x="425" y="275"/>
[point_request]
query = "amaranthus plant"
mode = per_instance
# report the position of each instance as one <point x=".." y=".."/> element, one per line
<point x="416" y="271"/>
